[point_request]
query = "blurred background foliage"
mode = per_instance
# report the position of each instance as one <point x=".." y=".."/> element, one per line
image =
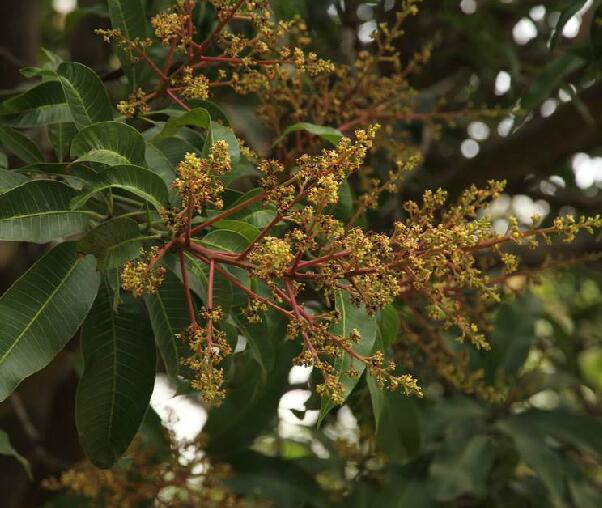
<point x="520" y="81"/>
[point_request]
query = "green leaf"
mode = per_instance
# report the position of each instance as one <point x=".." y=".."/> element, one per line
<point x="533" y="449"/>
<point x="404" y="489"/>
<point x="216" y="112"/>
<point x="114" y="242"/>
<point x="343" y="210"/>
<point x="7" y="449"/>
<point x="198" y="117"/>
<point x="389" y="322"/>
<point x="287" y="9"/>
<point x="139" y="181"/>
<point x="48" y="69"/>
<point x="20" y="145"/>
<point x="111" y="143"/>
<point x="41" y="105"/>
<point x="581" y="431"/>
<point x="75" y="174"/>
<point x="85" y="94"/>
<point x="154" y="436"/>
<point x="590" y="364"/>
<point x="240" y="199"/>
<point x="129" y="17"/>
<point x="248" y="231"/>
<point x="175" y="149"/>
<point x="158" y="162"/>
<point x="199" y="281"/>
<point x="512" y="336"/>
<point x="168" y="315"/>
<point x="461" y="466"/>
<point x="38" y="211"/>
<point x="284" y="482"/>
<point x="584" y="495"/>
<point x="260" y="218"/>
<point x="42" y="311"/>
<point x="49" y="93"/>
<point x="226" y="240"/>
<point x="549" y="79"/>
<point x="563" y="19"/>
<point x="118" y="379"/>
<point x="329" y="134"/>
<point x="61" y="135"/>
<point x="259" y="340"/>
<point x="595" y="32"/>
<point x="221" y="132"/>
<point x="352" y="318"/>
<point x="250" y="406"/>
<point x="397" y="422"/>
<point x="10" y="180"/>
<point x="447" y="412"/>
<point x="241" y="169"/>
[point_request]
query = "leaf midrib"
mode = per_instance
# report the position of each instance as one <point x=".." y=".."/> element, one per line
<point x="82" y="106"/>
<point x="40" y="310"/>
<point x="39" y="214"/>
<point x="113" y="153"/>
<point x="166" y="316"/>
<point x="113" y="381"/>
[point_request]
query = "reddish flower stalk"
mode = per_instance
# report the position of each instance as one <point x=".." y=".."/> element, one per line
<point x="186" y="282"/>
<point x="250" y="292"/>
<point x="227" y="213"/>
<point x="222" y="257"/>
<point x="233" y="60"/>
<point x="210" y="302"/>
<point x="296" y="307"/>
<point x="160" y="74"/>
<point x="279" y="216"/>
<point x="220" y="26"/>
<point x="261" y="236"/>
<point x="160" y="253"/>
<point x="325" y="259"/>
<point x="300" y="312"/>
<point x="176" y="99"/>
<point x="189" y="27"/>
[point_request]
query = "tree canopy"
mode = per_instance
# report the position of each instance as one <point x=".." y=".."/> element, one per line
<point x="301" y="254"/>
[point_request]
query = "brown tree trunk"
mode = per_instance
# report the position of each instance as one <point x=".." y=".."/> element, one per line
<point x="19" y="39"/>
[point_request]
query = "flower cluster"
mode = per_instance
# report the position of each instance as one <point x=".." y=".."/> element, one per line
<point x="135" y="105"/>
<point x="442" y="262"/>
<point x="197" y="183"/>
<point x="142" y="479"/>
<point x="194" y="87"/>
<point x="142" y="275"/>
<point x="271" y="258"/>
<point x="209" y="347"/>
<point x="170" y="26"/>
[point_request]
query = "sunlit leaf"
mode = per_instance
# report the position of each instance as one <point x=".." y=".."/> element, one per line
<point x="110" y="143"/>
<point x="85" y="94"/>
<point x="39" y="211"/>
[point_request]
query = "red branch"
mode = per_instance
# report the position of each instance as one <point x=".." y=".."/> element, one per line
<point x="250" y="292"/>
<point x="227" y="213"/>
<point x="176" y="99"/>
<point x="324" y="259"/>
